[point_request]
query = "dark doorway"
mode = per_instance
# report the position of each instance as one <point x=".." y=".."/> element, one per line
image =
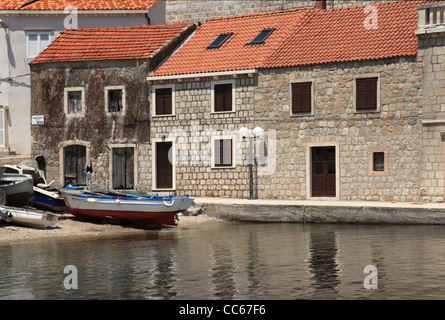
<point x="164" y="167"/>
<point x="123" y="168"/>
<point x="323" y="172"/>
<point x="75" y="162"/>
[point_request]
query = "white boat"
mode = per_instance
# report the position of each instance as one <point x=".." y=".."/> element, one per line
<point x="27" y="217"/>
<point x="101" y="204"/>
<point x="15" y="189"/>
<point x="45" y="195"/>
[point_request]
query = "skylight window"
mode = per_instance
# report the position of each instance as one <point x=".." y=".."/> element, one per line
<point x="219" y="41"/>
<point x="261" y="37"/>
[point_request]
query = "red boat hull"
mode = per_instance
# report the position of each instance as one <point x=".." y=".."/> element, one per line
<point x="164" y="218"/>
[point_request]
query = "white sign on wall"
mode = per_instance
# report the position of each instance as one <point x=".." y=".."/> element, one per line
<point x="38" y="120"/>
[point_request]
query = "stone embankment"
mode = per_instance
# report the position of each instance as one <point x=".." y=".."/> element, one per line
<point x="323" y="211"/>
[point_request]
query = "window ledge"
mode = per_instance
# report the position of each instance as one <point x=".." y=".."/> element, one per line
<point x="228" y="167"/>
<point x="163" y="115"/>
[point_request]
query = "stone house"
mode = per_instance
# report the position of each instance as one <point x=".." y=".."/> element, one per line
<point x="336" y="98"/>
<point x="90" y="93"/>
<point x="431" y="52"/>
<point x="26" y="28"/>
<point x="197" y="11"/>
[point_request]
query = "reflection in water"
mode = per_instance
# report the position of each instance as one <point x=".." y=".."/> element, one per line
<point x="234" y="261"/>
<point x="222" y="273"/>
<point x="164" y="276"/>
<point x="322" y="263"/>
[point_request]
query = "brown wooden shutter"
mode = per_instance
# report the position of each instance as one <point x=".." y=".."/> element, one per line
<point x="223" y="97"/>
<point x="360" y="93"/>
<point x="366" y="94"/>
<point x="228" y="97"/>
<point x="301" y="97"/>
<point x="163" y="101"/>
<point x="219" y="98"/>
<point x="371" y="93"/>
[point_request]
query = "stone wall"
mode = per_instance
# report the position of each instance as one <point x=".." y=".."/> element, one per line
<point x="264" y="100"/>
<point x="192" y="128"/>
<point x="432" y="54"/>
<point x="395" y="130"/>
<point x="200" y="10"/>
<point x="96" y="129"/>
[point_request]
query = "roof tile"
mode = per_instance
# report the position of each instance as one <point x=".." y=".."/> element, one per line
<point x="92" y="44"/>
<point x="304" y="36"/>
<point x="79" y="4"/>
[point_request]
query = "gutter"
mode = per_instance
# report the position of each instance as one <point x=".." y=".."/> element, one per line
<point x="80" y="12"/>
<point x="249" y="72"/>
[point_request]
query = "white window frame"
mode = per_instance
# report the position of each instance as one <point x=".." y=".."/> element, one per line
<point x="39" y="34"/>
<point x="212" y="95"/>
<point x="65" y="102"/>
<point x="153" y="100"/>
<point x="354" y="96"/>
<point x="124" y="104"/>
<point x="212" y="146"/>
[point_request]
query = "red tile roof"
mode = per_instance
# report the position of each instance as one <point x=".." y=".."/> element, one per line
<point x="302" y="37"/>
<point x="120" y="43"/>
<point x="193" y="57"/>
<point x="79" y="4"/>
<point x="345" y="35"/>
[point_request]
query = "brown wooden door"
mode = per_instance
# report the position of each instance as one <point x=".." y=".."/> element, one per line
<point x="123" y="168"/>
<point x="164" y="168"/>
<point x="75" y="162"/>
<point x="323" y="172"/>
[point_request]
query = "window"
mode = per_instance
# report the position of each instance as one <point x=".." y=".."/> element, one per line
<point x="223" y="97"/>
<point x="114" y="99"/>
<point x="301" y="97"/>
<point x="261" y="37"/>
<point x="379" y="161"/>
<point x="163" y="98"/>
<point x="123" y="168"/>
<point x="366" y="91"/>
<point x="223" y="152"/>
<point x="219" y="41"/>
<point x="74" y="101"/>
<point x="36" y="42"/>
<point x="163" y="101"/>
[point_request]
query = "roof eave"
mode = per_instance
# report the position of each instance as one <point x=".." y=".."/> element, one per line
<point x="80" y="12"/>
<point x="203" y="75"/>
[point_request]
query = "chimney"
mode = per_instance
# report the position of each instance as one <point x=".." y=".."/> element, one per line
<point x="320" y="4"/>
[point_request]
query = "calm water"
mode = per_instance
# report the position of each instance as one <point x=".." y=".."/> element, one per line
<point x="234" y="261"/>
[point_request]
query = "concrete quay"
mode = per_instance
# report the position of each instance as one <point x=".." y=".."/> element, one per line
<point x="310" y="211"/>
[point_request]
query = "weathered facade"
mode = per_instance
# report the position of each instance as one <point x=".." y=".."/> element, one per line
<point x="96" y="109"/>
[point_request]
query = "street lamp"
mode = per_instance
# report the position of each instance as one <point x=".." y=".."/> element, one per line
<point x="251" y="159"/>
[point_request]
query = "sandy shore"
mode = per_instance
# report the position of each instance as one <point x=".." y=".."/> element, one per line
<point x="68" y="226"/>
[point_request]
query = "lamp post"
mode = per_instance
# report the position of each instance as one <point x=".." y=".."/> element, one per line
<point x="251" y="158"/>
